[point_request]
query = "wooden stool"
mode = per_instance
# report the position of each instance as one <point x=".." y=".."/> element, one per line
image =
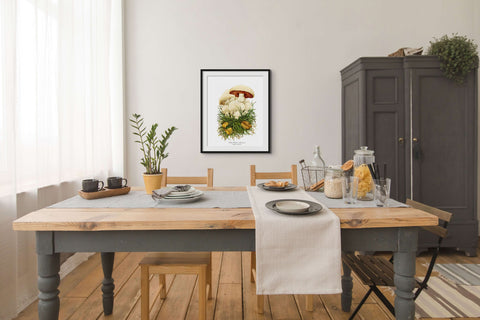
<point x="176" y="263"/>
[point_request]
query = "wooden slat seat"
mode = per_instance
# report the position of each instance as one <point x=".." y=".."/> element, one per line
<point x="371" y="269"/>
<point x="175" y="257"/>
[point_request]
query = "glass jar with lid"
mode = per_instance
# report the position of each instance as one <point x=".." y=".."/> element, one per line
<point x="362" y="159"/>
<point x="333" y="182"/>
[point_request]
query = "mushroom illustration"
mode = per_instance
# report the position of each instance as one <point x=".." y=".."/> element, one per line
<point x="240" y="89"/>
<point x="225" y="97"/>
<point x="236" y="114"/>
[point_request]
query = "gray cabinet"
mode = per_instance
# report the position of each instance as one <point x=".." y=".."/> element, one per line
<point x="424" y="127"/>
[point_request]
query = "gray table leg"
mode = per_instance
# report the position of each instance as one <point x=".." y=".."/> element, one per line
<point x="48" y="281"/>
<point x="404" y="279"/>
<point x="107" y="283"/>
<point x="347" y="286"/>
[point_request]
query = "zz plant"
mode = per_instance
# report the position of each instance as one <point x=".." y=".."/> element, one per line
<point x="458" y="56"/>
<point x="152" y="147"/>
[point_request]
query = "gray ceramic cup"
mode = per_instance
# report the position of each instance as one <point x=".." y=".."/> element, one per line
<point x="116" y="182"/>
<point x="91" y="185"/>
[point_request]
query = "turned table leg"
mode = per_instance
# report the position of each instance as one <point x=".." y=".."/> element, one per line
<point x="404" y="278"/>
<point x="48" y="281"/>
<point x="107" y="283"/>
<point x="347" y="286"/>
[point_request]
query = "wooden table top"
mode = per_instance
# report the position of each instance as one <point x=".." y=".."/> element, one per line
<point x="103" y="219"/>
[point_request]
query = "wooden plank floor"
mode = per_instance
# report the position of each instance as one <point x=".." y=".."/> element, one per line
<point x="233" y="294"/>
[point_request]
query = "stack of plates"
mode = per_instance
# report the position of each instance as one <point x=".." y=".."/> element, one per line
<point x="184" y="196"/>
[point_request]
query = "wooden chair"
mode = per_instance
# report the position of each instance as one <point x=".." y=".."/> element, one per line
<point x="199" y="263"/>
<point x="377" y="271"/>
<point x="208" y="180"/>
<point x="254" y="176"/>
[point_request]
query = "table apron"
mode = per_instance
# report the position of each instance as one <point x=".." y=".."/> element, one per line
<point x="48" y="242"/>
<point x="380" y="239"/>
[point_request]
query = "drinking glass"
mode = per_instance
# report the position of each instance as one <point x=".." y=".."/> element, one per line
<point x="350" y="189"/>
<point x="382" y="192"/>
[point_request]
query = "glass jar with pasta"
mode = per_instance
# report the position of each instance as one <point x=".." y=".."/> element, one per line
<point x="362" y="159"/>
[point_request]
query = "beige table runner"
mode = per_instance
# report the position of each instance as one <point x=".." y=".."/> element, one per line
<point x="295" y="254"/>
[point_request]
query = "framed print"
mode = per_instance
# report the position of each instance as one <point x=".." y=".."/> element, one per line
<point x="235" y="110"/>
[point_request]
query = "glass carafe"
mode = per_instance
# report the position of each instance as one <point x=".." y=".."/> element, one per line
<point x="317" y="168"/>
<point x="317" y="160"/>
<point x="362" y="159"/>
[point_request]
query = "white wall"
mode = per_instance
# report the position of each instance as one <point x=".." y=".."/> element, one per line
<point x="304" y="43"/>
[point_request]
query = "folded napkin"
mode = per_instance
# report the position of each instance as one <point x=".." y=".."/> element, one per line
<point x="295" y="254"/>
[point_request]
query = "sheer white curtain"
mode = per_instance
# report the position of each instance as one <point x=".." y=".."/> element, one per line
<point x="61" y="116"/>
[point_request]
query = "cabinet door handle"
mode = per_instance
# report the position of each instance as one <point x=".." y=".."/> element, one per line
<point x="417" y="150"/>
<point x="401" y="140"/>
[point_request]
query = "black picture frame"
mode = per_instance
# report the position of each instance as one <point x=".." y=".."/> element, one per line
<point x="248" y="127"/>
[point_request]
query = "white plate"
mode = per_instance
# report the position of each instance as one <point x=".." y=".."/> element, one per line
<point x="184" y="196"/>
<point x="183" y="199"/>
<point x="192" y="190"/>
<point x="292" y="206"/>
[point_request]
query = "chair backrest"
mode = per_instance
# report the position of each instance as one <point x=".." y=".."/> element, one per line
<point x="444" y="218"/>
<point x="441" y="229"/>
<point x="254" y="175"/>
<point x="208" y="180"/>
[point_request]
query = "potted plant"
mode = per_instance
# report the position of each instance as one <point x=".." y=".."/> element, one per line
<point x="153" y="149"/>
<point x="458" y="56"/>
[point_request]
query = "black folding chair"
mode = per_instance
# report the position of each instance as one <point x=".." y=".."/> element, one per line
<point x="377" y="271"/>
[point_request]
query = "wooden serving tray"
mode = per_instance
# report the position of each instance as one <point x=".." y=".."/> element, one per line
<point x="104" y="193"/>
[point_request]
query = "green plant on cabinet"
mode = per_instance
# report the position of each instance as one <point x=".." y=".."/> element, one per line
<point x="458" y="56"/>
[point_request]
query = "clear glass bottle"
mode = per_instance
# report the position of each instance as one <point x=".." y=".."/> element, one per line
<point x="362" y="159"/>
<point x="317" y="160"/>
<point x="333" y="182"/>
<point x="317" y="169"/>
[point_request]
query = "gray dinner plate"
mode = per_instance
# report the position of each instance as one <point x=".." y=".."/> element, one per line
<point x="289" y="186"/>
<point x="314" y="207"/>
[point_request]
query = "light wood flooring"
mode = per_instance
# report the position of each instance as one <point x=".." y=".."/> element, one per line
<point x="233" y="294"/>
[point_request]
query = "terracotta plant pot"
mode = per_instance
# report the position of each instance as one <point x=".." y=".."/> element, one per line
<point x="152" y="182"/>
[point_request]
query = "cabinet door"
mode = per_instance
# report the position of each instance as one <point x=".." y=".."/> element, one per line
<point x="386" y="125"/>
<point x="353" y="115"/>
<point x="444" y="143"/>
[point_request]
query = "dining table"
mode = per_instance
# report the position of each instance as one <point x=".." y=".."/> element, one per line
<point x="130" y="229"/>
